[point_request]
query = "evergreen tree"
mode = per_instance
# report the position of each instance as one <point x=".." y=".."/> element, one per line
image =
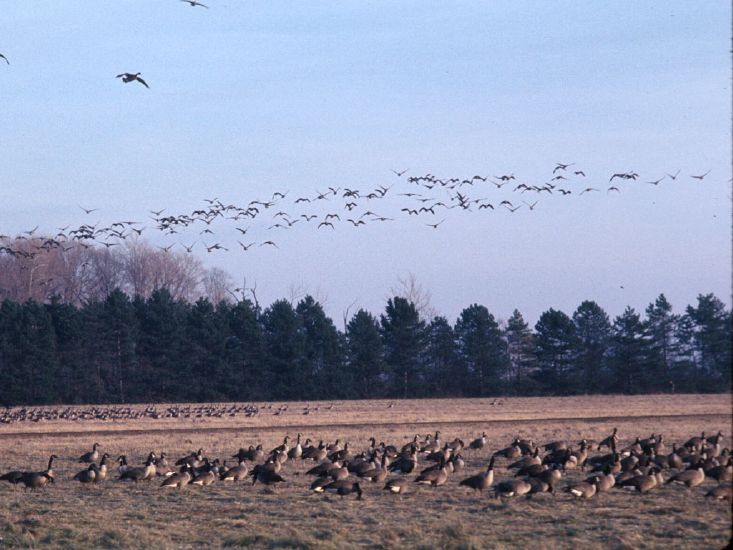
<point x="445" y="374"/>
<point x="629" y="353"/>
<point x="284" y="348"/>
<point x="245" y="352"/>
<point x="712" y="341"/>
<point x="660" y="333"/>
<point x="403" y="333"/>
<point x="365" y="356"/>
<point x="592" y="333"/>
<point x="521" y="353"/>
<point x="322" y="354"/>
<point x="482" y="350"/>
<point x="556" y="343"/>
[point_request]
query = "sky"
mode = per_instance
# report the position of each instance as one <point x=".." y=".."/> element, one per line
<point x="251" y="97"/>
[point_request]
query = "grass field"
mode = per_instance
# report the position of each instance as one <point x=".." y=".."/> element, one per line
<point x="116" y="514"/>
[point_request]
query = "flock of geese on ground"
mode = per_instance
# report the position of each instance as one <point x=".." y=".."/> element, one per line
<point x="643" y="466"/>
<point x="125" y="413"/>
<point x="427" y="196"/>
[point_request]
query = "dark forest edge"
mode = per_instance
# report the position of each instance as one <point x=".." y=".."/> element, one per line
<point x="126" y="349"/>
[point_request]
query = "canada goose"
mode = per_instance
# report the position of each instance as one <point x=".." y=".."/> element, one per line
<point x="397" y="486"/>
<point x="689" y="478"/>
<point x="341" y="454"/>
<point x="611" y="440"/>
<point x="481" y="481"/>
<point x="12" y="477"/>
<point x="457" y="462"/>
<point x="101" y="472"/>
<point x="721" y="492"/>
<point x="556" y="446"/>
<point x="91" y="456"/>
<point x="434" y="478"/>
<point x="715" y="439"/>
<point x="237" y="473"/>
<point x="139" y="474"/>
<point x="123" y="467"/>
<point x="180" y="479"/>
<point x="405" y="464"/>
<point x="162" y="468"/>
<point x="130" y="77"/>
<point x="584" y="489"/>
<point x="263" y="475"/>
<point x="36" y="480"/>
<point x="633" y="449"/>
<point x="431" y="446"/>
<point x="478" y="443"/>
<point x="196" y="460"/>
<point x="605" y="480"/>
<point x="695" y="442"/>
<point x="206" y="477"/>
<point x="297" y="451"/>
<point x="722" y="472"/>
<point x="534" y="458"/>
<point x="376" y="475"/>
<point x="338" y="474"/>
<point x="323" y="469"/>
<point x="87" y="476"/>
<point x="513" y="451"/>
<point x="512" y="488"/>
<point x="344" y="487"/>
<point x="441" y="454"/>
<point x="642" y="483"/>
<point x="539" y="486"/>
<point x="531" y="470"/>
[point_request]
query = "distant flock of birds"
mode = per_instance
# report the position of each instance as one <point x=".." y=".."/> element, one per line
<point x="347" y="205"/>
<point x="126" y="413"/>
<point x="427" y="195"/>
<point x="643" y="466"/>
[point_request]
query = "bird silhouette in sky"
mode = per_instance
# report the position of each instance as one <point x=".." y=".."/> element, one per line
<point x="130" y="77"/>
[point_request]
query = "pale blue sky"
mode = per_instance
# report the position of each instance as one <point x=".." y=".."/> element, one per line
<point x="250" y="97"/>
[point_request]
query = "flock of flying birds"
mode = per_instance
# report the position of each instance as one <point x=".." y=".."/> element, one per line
<point x="427" y="197"/>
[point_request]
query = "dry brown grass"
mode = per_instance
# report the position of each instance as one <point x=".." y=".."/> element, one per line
<point x="116" y="514"/>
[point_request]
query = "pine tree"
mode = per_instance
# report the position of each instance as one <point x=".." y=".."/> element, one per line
<point x="592" y="334"/>
<point x="445" y="374"/>
<point x="482" y="349"/>
<point x="284" y="342"/>
<point x="521" y="353"/>
<point x="712" y="341"/>
<point x="365" y="356"/>
<point x="322" y="351"/>
<point x="629" y="353"/>
<point x="404" y="337"/>
<point x="556" y="345"/>
<point x="660" y="333"/>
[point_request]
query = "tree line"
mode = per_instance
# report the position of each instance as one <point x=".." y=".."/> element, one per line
<point x="163" y="348"/>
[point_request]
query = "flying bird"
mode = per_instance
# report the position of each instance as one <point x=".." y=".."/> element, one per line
<point x="88" y="210"/>
<point x="700" y="177"/>
<point x="561" y="166"/>
<point x="612" y="188"/>
<point x="656" y="182"/>
<point x="435" y="225"/>
<point x="587" y="189"/>
<point x="675" y="176"/>
<point x="129" y="77"/>
<point x="5" y="58"/>
<point x="270" y="243"/>
<point x="400" y="174"/>
<point x="194" y="3"/>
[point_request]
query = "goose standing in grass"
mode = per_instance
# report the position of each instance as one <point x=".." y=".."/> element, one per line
<point x="689" y="478"/>
<point x="584" y="489"/>
<point x="140" y="473"/>
<point x="482" y="481"/>
<point x="344" y="487"/>
<point x="88" y="475"/>
<point x="512" y="488"/>
<point x="398" y="486"/>
<point x="478" y="443"/>
<point x="91" y="456"/>
<point x="180" y="479"/>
